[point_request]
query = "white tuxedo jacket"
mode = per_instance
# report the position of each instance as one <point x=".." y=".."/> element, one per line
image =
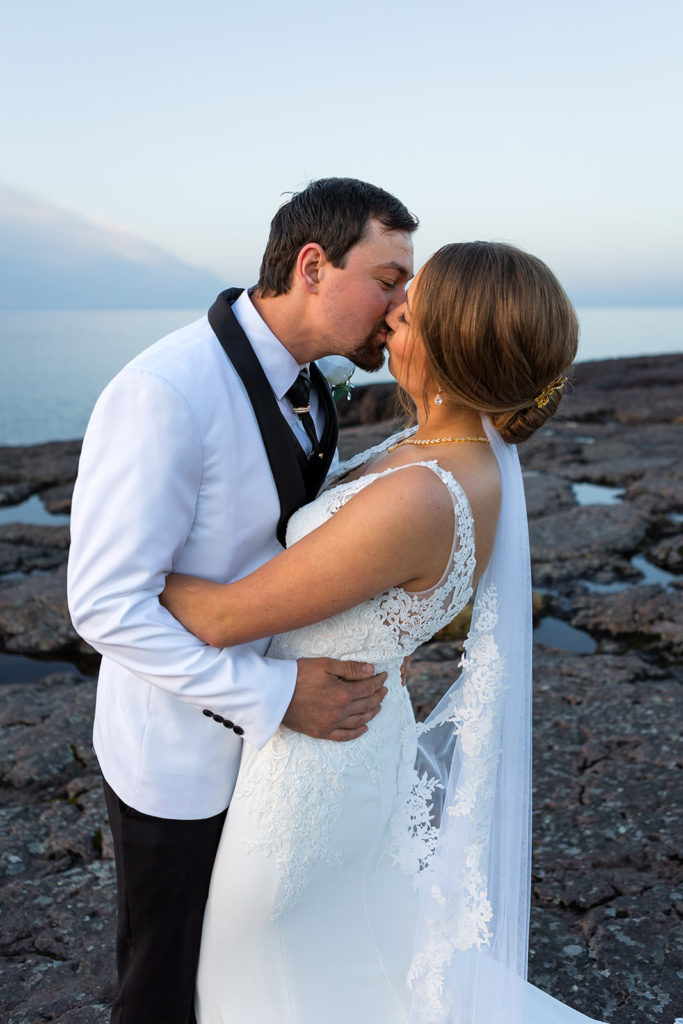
<point x="174" y="476"/>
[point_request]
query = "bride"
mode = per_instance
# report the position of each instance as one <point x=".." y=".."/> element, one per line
<point x="387" y="879"/>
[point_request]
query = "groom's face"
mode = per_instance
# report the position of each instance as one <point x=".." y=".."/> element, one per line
<point x="356" y="298"/>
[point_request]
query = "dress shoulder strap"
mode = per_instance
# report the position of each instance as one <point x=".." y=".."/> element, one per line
<point x="463" y="524"/>
<point x="458" y="495"/>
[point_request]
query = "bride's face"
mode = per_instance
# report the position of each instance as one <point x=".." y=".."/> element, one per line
<point x="407" y="360"/>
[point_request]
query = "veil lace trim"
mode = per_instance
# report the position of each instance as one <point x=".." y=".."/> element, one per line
<point x="470" y="955"/>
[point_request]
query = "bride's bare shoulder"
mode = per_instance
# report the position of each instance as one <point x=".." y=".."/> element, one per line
<point x="473" y="466"/>
<point x="418" y="495"/>
<point x="401" y="496"/>
<point x="476" y="470"/>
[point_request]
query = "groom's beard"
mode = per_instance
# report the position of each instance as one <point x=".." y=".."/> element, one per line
<point x="369" y="355"/>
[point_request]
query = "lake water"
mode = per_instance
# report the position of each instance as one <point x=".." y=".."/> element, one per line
<point x="55" y="363"/>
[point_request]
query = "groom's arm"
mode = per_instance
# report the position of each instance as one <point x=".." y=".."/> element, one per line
<point x="133" y="508"/>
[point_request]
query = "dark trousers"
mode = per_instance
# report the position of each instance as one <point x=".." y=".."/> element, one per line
<point x="163" y="869"/>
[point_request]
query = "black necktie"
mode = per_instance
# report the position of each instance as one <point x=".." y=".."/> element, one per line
<point x="299" y="395"/>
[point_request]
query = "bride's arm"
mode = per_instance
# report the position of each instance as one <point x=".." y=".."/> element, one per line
<point x="397" y="531"/>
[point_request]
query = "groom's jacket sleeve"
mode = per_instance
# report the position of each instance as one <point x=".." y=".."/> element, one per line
<point x="133" y="508"/>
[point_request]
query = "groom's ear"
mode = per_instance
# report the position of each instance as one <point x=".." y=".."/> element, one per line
<point x="309" y="265"/>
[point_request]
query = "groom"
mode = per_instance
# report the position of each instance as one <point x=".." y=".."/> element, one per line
<point x="195" y="456"/>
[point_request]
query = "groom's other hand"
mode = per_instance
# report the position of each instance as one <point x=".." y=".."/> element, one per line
<point x="334" y="700"/>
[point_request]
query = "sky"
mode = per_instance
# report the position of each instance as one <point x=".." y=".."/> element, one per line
<point x="554" y="126"/>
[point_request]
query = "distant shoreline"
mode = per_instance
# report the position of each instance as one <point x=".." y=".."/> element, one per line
<point x="382" y="382"/>
<point x="56" y="363"/>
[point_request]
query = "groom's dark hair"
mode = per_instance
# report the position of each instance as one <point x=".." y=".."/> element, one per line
<point x="335" y="213"/>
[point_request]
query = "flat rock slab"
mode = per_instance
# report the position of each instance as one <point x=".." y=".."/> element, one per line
<point x="667" y="553"/>
<point x="57" y="879"/>
<point x="637" y="390"/>
<point x="641" y="616"/>
<point x="573" y="533"/>
<point x="57" y="950"/>
<point x="34" y="618"/>
<point x="356" y="439"/>
<point x="656" y="493"/>
<point x="57" y="500"/>
<point x="25" y="470"/>
<point x="374" y="403"/>
<point x="427" y="682"/>
<point x="609" y="452"/>
<point x="605" y="934"/>
<point x="547" y="493"/>
<point x="26" y="548"/>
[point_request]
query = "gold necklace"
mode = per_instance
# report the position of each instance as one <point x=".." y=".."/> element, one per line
<point x="437" y="440"/>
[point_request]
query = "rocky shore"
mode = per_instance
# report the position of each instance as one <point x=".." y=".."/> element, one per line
<point x="605" y="496"/>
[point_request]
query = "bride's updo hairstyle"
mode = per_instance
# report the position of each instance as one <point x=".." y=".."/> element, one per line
<point x="498" y="329"/>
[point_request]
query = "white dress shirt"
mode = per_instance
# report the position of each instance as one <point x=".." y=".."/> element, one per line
<point x="281" y="372"/>
<point x="174" y="477"/>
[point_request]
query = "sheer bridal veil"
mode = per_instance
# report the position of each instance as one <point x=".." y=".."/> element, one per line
<point x="470" y="957"/>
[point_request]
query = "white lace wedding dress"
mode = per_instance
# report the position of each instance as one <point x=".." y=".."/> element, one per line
<point x="311" y="917"/>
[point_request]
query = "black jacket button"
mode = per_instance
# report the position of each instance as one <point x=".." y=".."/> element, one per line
<point x="227" y="724"/>
<point x="218" y="718"/>
<point x="209" y="714"/>
<point x="238" y="730"/>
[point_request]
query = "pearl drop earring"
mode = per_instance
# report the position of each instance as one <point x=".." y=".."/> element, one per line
<point x="439" y="398"/>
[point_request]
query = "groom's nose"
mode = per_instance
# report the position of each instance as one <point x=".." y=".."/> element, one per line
<point x="397" y="297"/>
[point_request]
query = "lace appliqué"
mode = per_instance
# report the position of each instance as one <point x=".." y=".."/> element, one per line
<point x="459" y="919"/>
<point x="406" y="620"/>
<point x="414" y="836"/>
<point x="296" y="784"/>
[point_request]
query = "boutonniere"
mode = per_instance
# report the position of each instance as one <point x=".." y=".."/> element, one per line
<point x="338" y="372"/>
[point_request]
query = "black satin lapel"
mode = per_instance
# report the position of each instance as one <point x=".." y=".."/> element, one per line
<point x="328" y="442"/>
<point x="288" y="463"/>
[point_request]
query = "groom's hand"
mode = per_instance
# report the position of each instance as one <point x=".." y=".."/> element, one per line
<point x="334" y="700"/>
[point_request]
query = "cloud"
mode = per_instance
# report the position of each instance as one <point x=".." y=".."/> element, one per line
<point x="51" y="258"/>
